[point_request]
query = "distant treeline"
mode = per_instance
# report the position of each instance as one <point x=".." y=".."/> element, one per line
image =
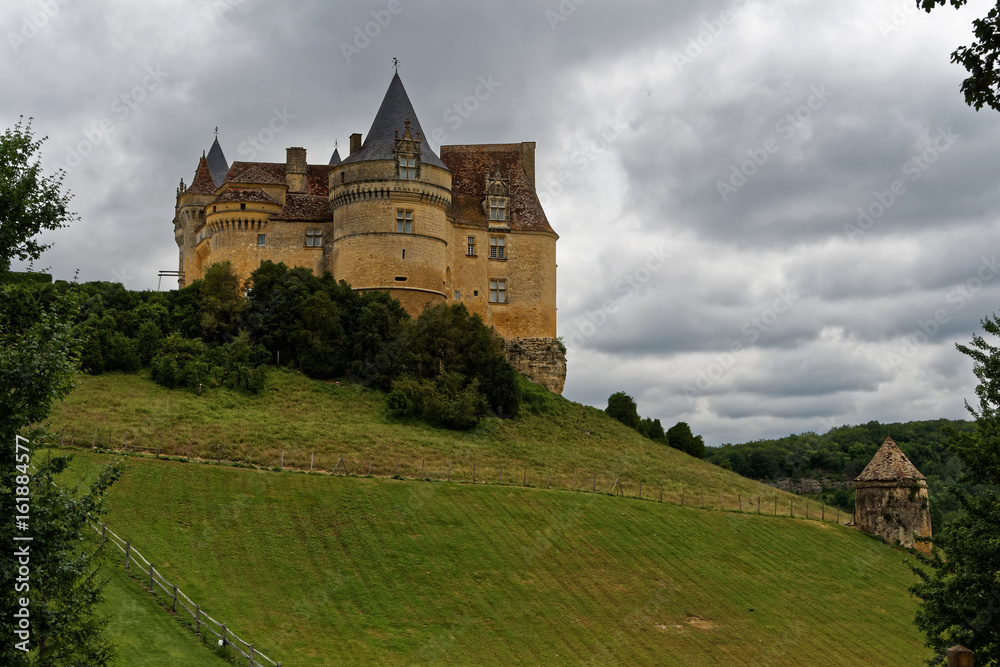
<point x="446" y="367"/>
<point x="623" y="407"/>
<point x="842" y="453"/>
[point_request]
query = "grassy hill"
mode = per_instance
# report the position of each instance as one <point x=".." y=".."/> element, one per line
<point x="333" y="569"/>
<point x="318" y="569"/>
<point x="312" y="421"/>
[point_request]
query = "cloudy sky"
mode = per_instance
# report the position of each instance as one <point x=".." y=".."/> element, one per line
<point x="775" y="216"/>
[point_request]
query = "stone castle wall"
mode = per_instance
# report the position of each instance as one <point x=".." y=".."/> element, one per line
<point x="895" y="511"/>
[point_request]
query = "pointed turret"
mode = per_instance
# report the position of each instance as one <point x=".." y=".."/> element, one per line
<point x="217" y="164"/>
<point x="203" y="182"/>
<point x="891" y="499"/>
<point x="335" y="158"/>
<point x="389" y="123"/>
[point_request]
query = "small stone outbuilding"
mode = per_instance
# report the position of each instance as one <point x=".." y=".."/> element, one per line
<point x="891" y="499"/>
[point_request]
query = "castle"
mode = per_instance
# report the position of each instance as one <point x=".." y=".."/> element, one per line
<point x="463" y="227"/>
<point x="891" y="499"/>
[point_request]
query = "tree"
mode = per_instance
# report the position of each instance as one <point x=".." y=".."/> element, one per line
<point x="622" y="407"/>
<point x="679" y="436"/>
<point x="960" y="594"/>
<point x="982" y="87"/>
<point x="29" y="202"/>
<point x="38" y="356"/>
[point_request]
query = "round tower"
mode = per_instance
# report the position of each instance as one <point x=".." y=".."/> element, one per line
<point x="891" y="499"/>
<point x="389" y="199"/>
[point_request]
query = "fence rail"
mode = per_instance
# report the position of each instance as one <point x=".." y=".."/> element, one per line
<point x="202" y="621"/>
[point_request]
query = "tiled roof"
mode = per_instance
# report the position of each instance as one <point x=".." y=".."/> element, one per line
<point x="318" y="179"/>
<point x="263" y="173"/>
<point x="245" y="195"/>
<point x="392" y="114"/>
<point x="305" y="207"/>
<point x="888" y="465"/>
<point x="469" y="164"/>
<point x="217" y="163"/>
<point x="202" y="183"/>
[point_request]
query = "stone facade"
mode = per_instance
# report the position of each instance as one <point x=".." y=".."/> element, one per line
<point x="463" y="227"/>
<point x="891" y="499"/>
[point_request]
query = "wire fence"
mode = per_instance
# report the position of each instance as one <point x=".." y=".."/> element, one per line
<point x="203" y="623"/>
<point x="467" y="471"/>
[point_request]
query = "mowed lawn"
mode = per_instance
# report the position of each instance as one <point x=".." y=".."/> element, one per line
<point x="554" y="441"/>
<point x="317" y="569"/>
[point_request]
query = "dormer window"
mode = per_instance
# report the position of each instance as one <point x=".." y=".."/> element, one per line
<point x="498" y="209"/>
<point x="496" y="203"/>
<point x="408" y="168"/>
<point x="407" y="154"/>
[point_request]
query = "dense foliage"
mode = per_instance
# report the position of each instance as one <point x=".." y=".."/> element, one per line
<point x="622" y="407"/>
<point x="446" y="367"/>
<point x="981" y="59"/>
<point x="960" y="594"/>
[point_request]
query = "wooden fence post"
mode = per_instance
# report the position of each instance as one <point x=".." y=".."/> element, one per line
<point x="281" y="463"/>
<point x="161" y="447"/>
<point x="312" y="457"/>
<point x="150" y="577"/>
<point x="224" y="632"/>
<point x="104" y="533"/>
<point x="791" y="508"/>
<point x="758" y="505"/>
<point x="109" y="438"/>
<point x="251" y="655"/>
<point x="595" y="482"/>
<point x="548" y="473"/>
<point x="218" y="460"/>
<point x="776" y="506"/>
<point x="72" y="435"/>
<point x="822" y="515"/>
<point x="838" y="515"/>
<point x="175" y="599"/>
<point x="703" y="498"/>
<point x="473" y="472"/>
<point x="197" y="619"/>
<point x="251" y="455"/>
<point x="807" y="509"/>
<point x="94" y="444"/>
<point x="128" y="549"/>
<point x="640" y="488"/>
<point x="573" y="485"/>
<point x="524" y="480"/>
<point x="62" y="436"/>
<point x="739" y="498"/>
<point x="500" y="480"/>
<point x="449" y="471"/>
<point x="723" y="502"/>
<point x="422" y="468"/>
<point x="959" y="656"/>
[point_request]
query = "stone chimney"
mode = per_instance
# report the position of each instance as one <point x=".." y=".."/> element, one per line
<point x="528" y="160"/>
<point x="355" y="143"/>
<point x="295" y="169"/>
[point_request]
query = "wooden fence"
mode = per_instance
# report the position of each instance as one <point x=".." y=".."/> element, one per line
<point x="202" y="621"/>
<point x="465" y="471"/>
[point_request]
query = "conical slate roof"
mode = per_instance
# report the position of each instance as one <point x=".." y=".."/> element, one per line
<point x="217" y="163"/>
<point x="335" y="158"/>
<point x="202" y="183"/>
<point x="889" y="465"/>
<point x="392" y="115"/>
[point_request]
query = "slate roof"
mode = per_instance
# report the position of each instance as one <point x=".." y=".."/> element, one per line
<point x="335" y="158"/>
<point x="217" y="163"/>
<point x="202" y="183"/>
<point x="469" y="164"/>
<point x="889" y="465"/>
<point x="381" y="140"/>
<point x="245" y="195"/>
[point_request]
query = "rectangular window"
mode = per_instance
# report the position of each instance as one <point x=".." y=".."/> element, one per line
<point x="314" y="238"/>
<point x="456" y="295"/>
<point x="404" y="222"/>
<point x="498" y="247"/>
<point x="498" y="290"/>
<point x="498" y="209"/>
<point x="472" y="246"/>
<point x="260" y="240"/>
<point x="408" y="168"/>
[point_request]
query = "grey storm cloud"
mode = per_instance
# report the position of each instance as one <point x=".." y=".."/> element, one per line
<point x="697" y="159"/>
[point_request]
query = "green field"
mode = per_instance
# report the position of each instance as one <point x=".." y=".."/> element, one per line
<point x="317" y="569"/>
<point x="555" y="441"/>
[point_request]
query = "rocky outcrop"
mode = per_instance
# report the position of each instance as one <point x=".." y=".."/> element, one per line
<point x="541" y="360"/>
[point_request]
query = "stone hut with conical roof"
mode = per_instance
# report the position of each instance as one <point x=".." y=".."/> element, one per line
<point x="891" y="499"/>
<point x="463" y="226"/>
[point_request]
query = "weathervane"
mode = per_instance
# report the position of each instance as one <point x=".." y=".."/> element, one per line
<point x="395" y="64"/>
<point x="216" y="131"/>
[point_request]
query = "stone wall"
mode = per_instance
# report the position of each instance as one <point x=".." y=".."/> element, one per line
<point x="542" y="360"/>
<point x="895" y="511"/>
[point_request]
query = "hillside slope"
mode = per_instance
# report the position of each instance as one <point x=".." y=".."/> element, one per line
<point x="318" y="569"/>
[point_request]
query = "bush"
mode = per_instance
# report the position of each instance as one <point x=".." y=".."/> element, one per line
<point x="121" y="355"/>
